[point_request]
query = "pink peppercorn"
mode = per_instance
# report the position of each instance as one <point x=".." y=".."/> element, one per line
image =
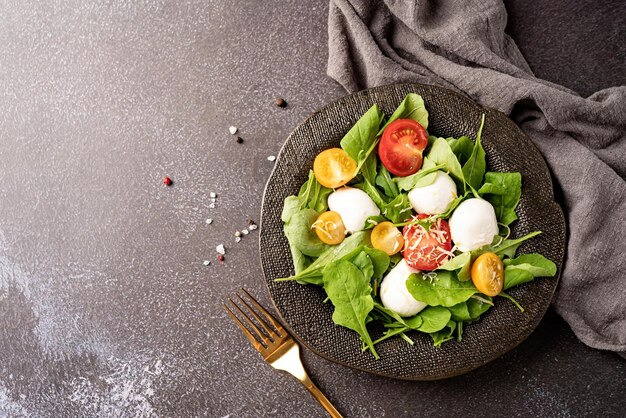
<point x="167" y="181"/>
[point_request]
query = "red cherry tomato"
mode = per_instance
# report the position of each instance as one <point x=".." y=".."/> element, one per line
<point x="427" y="249"/>
<point x="400" y="149"/>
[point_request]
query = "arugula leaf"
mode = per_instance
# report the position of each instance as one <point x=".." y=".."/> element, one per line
<point x="351" y="246"/>
<point x="393" y="320"/>
<point x="445" y="289"/>
<point x="441" y="153"/>
<point x="444" y="335"/>
<point x="314" y="195"/>
<point x="292" y="205"/>
<point x="398" y="210"/>
<point x="412" y="107"/>
<point x="461" y="262"/>
<point x="525" y="268"/>
<point x="474" y="168"/>
<point x="360" y="141"/>
<point x="503" y="191"/>
<point x="300" y="234"/>
<point x="477" y="307"/>
<point x="372" y="192"/>
<point x="380" y="261"/>
<point x="384" y="181"/>
<point x="300" y="261"/>
<point x="470" y="310"/>
<point x="461" y="147"/>
<point x="350" y="292"/>
<point x="434" y="318"/>
<point x="424" y="177"/>
<point x="363" y="262"/>
<point x="508" y="247"/>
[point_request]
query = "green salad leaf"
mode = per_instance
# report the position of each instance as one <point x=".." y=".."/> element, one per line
<point x="441" y="154"/>
<point x="384" y="181"/>
<point x="300" y="234"/>
<point x="461" y="262"/>
<point x="314" y="195"/>
<point x="444" y="290"/>
<point x="360" y="141"/>
<point x="525" y="268"/>
<point x="433" y="319"/>
<point x="503" y="191"/>
<point x="444" y="335"/>
<point x="398" y="210"/>
<point x="424" y="177"/>
<point x="508" y="247"/>
<point x="412" y="107"/>
<point x="349" y="291"/>
<point x="474" y="168"/>
<point x="470" y="310"/>
<point x="348" y="248"/>
<point x="462" y="147"/>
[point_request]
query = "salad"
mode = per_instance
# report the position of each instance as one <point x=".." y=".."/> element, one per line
<point x="407" y="229"/>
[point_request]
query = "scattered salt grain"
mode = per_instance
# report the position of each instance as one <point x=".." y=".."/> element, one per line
<point x="245" y="232"/>
<point x="232" y="130"/>
<point x="253" y="227"/>
<point x="209" y="221"/>
<point x="212" y="205"/>
<point x="220" y="249"/>
<point x="212" y="195"/>
<point x="271" y="158"/>
<point x="206" y="262"/>
<point x="237" y="239"/>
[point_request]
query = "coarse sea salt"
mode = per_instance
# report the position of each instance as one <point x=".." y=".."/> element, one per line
<point x="245" y="231"/>
<point x="206" y="262"/>
<point x="209" y="221"/>
<point x="232" y="130"/>
<point x="213" y="195"/>
<point x="212" y="205"/>
<point x="220" y="249"/>
<point x="253" y="227"/>
<point x="271" y="158"/>
<point x="237" y="239"/>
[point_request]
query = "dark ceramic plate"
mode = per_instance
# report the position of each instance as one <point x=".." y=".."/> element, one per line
<point x="501" y="328"/>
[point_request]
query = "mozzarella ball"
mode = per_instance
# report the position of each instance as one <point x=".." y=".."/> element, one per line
<point x="394" y="294"/>
<point x="354" y="206"/>
<point x="473" y="224"/>
<point x="435" y="198"/>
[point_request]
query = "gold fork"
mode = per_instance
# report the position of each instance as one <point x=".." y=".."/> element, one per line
<point x="275" y="344"/>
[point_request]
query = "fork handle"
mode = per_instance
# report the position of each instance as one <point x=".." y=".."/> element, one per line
<point x="323" y="400"/>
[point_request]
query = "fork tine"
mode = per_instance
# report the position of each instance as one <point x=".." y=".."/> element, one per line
<point x="275" y="323"/>
<point x="252" y="325"/>
<point x="266" y="327"/>
<point x="245" y="330"/>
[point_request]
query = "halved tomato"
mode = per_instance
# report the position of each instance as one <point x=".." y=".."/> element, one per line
<point x="400" y="149"/>
<point x="334" y="168"/>
<point x="488" y="274"/>
<point x="329" y="228"/>
<point x="387" y="238"/>
<point x="426" y="249"/>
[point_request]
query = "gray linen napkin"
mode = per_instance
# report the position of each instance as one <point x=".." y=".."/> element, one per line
<point x="461" y="45"/>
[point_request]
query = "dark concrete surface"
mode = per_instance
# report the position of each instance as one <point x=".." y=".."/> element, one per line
<point x="106" y="308"/>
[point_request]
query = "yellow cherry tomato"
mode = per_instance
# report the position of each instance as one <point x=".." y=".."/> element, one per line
<point x="387" y="238"/>
<point x="329" y="228"/>
<point x="488" y="274"/>
<point x="334" y="168"/>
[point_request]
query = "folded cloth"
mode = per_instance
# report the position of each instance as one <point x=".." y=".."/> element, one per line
<point x="461" y="45"/>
